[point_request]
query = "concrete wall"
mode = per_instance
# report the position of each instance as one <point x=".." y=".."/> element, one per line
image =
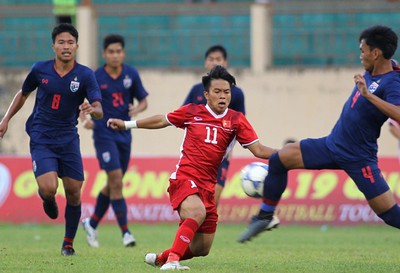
<point x="280" y="104"/>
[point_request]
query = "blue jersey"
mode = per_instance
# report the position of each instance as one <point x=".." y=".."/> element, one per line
<point x="196" y="95"/>
<point x="117" y="95"/>
<point x="54" y="116"/>
<point x="355" y="134"/>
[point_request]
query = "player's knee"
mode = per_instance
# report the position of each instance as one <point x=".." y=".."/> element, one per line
<point x="392" y="216"/>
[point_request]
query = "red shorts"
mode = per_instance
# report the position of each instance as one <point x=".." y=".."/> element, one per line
<point x="180" y="189"/>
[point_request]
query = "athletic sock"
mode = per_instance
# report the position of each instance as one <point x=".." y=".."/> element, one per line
<point x="392" y="216"/>
<point x="72" y="217"/>
<point x="120" y="211"/>
<point x="274" y="185"/>
<point x="183" y="237"/>
<point x="102" y="203"/>
<point x="163" y="256"/>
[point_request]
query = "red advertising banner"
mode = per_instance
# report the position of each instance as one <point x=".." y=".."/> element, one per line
<point x="312" y="197"/>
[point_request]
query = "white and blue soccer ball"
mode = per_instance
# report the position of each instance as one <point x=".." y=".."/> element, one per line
<point x="252" y="179"/>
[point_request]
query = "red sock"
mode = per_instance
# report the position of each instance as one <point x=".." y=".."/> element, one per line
<point x="183" y="237"/>
<point x="163" y="256"/>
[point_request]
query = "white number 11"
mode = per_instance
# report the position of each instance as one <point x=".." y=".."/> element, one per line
<point x="208" y="139"/>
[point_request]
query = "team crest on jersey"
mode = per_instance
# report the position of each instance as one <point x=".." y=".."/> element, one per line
<point x="372" y="88"/>
<point x="226" y="124"/>
<point x="127" y="82"/>
<point x="106" y="157"/>
<point x="74" y="86"/>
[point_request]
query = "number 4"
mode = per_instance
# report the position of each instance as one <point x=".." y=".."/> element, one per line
<point x="367" y="173"/>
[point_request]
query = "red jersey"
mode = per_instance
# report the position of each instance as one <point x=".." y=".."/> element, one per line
<point x="208" y="137"/>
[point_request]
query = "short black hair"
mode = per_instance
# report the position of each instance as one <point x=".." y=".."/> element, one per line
<point x="216" y="48"/>
<point x="64" y="27"/>
<point x="381" y="37"/>
<point x="218" y="72"/>
<point x="112" y="39"/>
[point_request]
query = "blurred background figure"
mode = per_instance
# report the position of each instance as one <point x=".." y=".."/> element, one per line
<point x="65" y="11"/>
<point x="394" y="128"/>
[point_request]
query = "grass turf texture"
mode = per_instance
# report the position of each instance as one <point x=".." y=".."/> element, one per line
<point x="36" y="248"/>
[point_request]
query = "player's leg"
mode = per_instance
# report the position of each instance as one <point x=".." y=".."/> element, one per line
<point x="45" y="167"/>
<point x="309" y="154"/>
<point x="221" y="178"/>
<point x="115" y="186"/>
<point x="369" y="180"/>
<point x="71" y="172"/>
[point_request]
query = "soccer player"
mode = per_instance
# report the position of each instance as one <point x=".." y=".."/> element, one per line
<point x="394" y="129"/>
<point x="217" y="55"/>
<point x="62" y="85"/>
<point x="120" y="84"/>
<point x="209" y="131"/>
<point x="352" y="144"/>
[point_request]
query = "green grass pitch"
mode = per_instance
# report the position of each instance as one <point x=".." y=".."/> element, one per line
<point x="36" y="248"/>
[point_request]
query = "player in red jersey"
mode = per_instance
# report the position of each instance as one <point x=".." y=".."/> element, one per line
<point x="210" y="131"/>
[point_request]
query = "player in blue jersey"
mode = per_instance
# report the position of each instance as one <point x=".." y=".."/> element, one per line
<point x="120" y="85"/>
<point x="62" y="85"/>
<point x="352" y="144"/>
<point x="217" y="55"/>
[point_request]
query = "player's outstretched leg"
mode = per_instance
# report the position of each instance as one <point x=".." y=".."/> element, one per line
<point x="120" y="211"/>
<point x="257" y="226"/>
<point x="174" y="266"/>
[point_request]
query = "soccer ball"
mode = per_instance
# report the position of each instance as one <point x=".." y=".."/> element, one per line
<point x="252" y="179"/>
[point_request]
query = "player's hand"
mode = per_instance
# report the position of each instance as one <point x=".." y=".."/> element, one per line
<point x="132" y="110"/>
<point x="3" y="129"/>
<point x="116" y="124"/>
<point x="361" y="85"/>
<point x="86" y="108"/>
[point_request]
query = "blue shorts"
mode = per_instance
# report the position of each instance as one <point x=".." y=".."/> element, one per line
<point x="364" y="172"/>
<point x="222" y="172"/>
<point x="65" y="159"/>
<point x="113" y="155"/>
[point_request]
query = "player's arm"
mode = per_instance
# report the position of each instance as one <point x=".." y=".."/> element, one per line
<point x="154" y="122"/>
<point x="394" y="130"/>
<point x="15" y="106"/>
<point x="134" y="110"/>
<point x="261" y="151"/>
<point x="390" y="110"/>
<point x="93" y="109"/>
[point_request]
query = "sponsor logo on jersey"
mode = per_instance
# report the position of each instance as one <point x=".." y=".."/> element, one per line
<point x="198" y="118"/>
<point x="74" y="86"/>
<point x="103" y="86"/>
<point x="106" y="157"/>
<point x="226" y="124"/>
<point x="45" y="81"/>
<point x="127" y="82"/>
<point x="372" y="88"/>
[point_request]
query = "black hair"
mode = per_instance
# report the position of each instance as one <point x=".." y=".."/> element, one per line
<point x="64" y="27"/>
<point x="381" y="37"/>
<point x="218" y="72"/>
<point x="112" y="39"/>
<point x="216" y="48"/>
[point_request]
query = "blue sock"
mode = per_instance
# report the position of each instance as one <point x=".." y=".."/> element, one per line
<point x="72" y="217"/>
<point x="120" y="211"/>
<point x="100" y="209"/>
<point x="392" y="216"/>
<point x="274" y="185"/>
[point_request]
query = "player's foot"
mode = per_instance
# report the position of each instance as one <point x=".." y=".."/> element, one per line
<point x="174" y="266"/>
<point x="91" y="233"/>
<point x="257" y="226"/>
<point x="152" y="259"/>
<point x="50" y="208"/>
<point x="128" y="240"/>
<point x="68" y="251"/>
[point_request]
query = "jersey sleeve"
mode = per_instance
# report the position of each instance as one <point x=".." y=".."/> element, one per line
<point x="178" y="117"/>
<point x="93" y="92"/>
<point x="31" y="82"/>
<point x="239" y="101"/>
<point x="393" y="92"/>
<point x="137" y="88"/>
<point x="245" y="134"/>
